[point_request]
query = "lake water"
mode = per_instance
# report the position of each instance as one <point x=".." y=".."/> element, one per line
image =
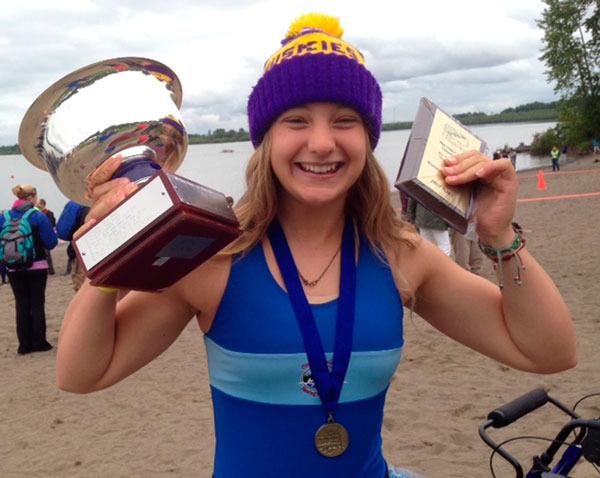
<point x="207" y="164"/>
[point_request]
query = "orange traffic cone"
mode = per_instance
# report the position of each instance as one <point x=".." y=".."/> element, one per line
<point x="541" y="183"/>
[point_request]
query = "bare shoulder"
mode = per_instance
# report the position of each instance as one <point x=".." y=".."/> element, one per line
<point x="428" y="269"/>
<point x="417" y="258"/>
<point x="416" y="249"/>
<point x="203" y="288"/>
<point x="410" y="237"/>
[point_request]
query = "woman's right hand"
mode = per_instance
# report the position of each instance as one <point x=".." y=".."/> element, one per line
<point x="105" y="193"/>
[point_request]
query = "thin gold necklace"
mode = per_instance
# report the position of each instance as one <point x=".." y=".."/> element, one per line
<point x="312" y="283"/>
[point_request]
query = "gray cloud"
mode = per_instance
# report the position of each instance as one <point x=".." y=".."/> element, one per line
<point x="218" y="49"/>
<point x="485" y="89"/>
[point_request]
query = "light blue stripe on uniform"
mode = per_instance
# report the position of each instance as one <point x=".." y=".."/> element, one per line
<point x="277" y="378"/>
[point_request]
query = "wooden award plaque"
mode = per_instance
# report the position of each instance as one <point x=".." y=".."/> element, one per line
<point x="157" y="235"/>
<point x="434" y="137"/>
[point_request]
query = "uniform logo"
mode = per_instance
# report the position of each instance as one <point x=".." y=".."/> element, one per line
<point x="307" y="382"/>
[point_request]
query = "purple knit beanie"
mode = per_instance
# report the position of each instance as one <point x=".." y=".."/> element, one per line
<point x="313" y="65"/>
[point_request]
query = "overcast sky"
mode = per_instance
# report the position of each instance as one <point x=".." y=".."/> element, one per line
<point x="465" y="55"/>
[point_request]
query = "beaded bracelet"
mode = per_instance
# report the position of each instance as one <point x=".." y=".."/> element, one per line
<point x="498" y="256"/>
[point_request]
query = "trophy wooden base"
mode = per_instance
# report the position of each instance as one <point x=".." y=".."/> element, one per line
<point x="158" y="235"/>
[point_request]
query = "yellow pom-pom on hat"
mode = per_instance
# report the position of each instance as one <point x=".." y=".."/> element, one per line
<point x="314" y="33"/>
<point x="315" y="21"/>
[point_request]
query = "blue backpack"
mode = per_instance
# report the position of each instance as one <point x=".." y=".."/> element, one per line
<point x="17" y="250"/>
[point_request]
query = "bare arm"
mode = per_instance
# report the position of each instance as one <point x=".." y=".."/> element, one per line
<point x="102" y="342"/>
<point x="527" y="327"/>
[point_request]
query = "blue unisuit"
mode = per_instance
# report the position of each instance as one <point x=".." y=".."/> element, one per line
<point x="266" y="407"/>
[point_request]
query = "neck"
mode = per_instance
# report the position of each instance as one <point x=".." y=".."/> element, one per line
<point x="312" y="226"/>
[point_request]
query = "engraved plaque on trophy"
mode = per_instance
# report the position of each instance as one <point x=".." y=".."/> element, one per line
<point x="162" y="231"/>
<point x="434" y="137"/>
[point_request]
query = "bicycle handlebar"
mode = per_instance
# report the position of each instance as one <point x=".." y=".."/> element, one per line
<point x="512" y="411"/>
<point x="587" y="441"/>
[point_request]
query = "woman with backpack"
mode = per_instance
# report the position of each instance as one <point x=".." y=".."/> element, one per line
<point x="25" y="233"/>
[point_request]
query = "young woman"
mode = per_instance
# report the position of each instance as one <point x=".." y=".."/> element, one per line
<point x="29" y="285"/>
<point x="302" y="315"/>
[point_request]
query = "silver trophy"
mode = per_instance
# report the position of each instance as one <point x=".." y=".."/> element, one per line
<point x="130" y="107"/>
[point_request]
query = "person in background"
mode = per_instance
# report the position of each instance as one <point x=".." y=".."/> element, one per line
<point x="71" y="258"/>
<point x="513" y="158"/>
<point x="3" y="273"/>
<point x="41" y="206"/>
<point x="563" y="154"/>
<point x="29" y="285"/>
<point x="72" y="218"/>
<point x="465" y="249"/>
<point x="431" y="226"/>
<point x="596" y="149"/>
<point x="303" y="314"/>
<point x="404" y="203"/>
<point x="555" y="155"/>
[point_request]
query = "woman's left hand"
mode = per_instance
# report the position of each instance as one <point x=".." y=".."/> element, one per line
<point x="496" y="195"/>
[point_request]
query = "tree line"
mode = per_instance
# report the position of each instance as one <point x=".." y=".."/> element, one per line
<point x="571" y="53"/>
<point x="530" y="112"/>
<point x="220" y="135"/>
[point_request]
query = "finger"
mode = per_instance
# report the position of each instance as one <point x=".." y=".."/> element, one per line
<point x="106" y="170"/>
<point x="492" y="169"/>
<point x="84" y="228"/>
<point x="458" y="158"/>
<point x="459" y="164"/>
<point x="467" y="161"/>
<point x="484" y="171"/>
<point x="101" y="189"/>
<point x="110" y="200"/>
<point x="102" y="173"/>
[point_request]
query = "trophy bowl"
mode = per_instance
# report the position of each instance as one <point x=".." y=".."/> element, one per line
<point x="130" y="107"/>
<point x="122" y="105"/>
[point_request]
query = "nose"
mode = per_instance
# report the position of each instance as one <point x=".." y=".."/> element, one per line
<point x="321" y="140"/>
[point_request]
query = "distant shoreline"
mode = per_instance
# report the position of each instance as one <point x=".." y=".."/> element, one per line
<point x="193" y="138"/>
<point x="408" y="124"/>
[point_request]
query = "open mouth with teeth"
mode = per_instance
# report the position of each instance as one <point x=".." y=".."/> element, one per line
<point x="322" y="169"/>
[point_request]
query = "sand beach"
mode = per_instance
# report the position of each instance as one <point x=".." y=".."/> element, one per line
<point x="159" y="421"/>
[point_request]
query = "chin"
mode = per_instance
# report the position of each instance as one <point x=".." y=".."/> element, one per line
<point x="316" y="196"/>
<point x="320" y="200"/>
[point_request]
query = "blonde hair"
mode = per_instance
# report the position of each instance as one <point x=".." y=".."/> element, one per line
<point x="24" y="191"/>
<point x="368" y="203"/>
<point x="258" y="206"/>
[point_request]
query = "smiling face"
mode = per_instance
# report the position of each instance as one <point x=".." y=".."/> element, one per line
<point x="318" y="151"/>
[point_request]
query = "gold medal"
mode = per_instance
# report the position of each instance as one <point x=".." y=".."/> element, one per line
<point x="332" y="439"/>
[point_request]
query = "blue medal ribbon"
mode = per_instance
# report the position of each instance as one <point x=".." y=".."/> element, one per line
<point x="329" y="384"/>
